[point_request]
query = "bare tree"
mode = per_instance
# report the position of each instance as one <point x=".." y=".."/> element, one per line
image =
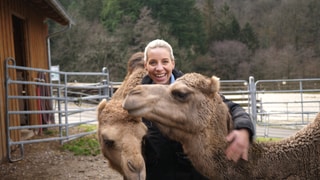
<point x="230" y="60"/>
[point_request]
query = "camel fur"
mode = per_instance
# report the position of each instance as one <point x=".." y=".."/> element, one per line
<point x="192" y="112"/>
<point x="120" y="134"/>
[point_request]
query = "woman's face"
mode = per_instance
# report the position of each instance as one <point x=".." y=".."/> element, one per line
<point x="159" y="65"/>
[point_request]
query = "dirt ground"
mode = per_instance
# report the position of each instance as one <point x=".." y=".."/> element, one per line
<point x="47" y="160"/>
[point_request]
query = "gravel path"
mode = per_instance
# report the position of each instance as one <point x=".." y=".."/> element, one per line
<point x="48" y="161"/>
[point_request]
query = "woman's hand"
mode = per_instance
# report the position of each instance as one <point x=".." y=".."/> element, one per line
<point x="239" y="145"/>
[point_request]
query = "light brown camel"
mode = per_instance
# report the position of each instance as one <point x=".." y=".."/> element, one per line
<point x="191" y="112"/>
<point x="120" y="135"/>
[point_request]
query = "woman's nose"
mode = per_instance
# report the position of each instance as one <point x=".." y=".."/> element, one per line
<point x="159" y="66"/>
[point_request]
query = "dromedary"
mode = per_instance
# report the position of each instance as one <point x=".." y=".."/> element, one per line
<point x="191" y="112"/>
<point x="120" y="135"/>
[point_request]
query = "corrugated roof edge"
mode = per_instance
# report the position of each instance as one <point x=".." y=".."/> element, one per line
<point x="60" y="10"/>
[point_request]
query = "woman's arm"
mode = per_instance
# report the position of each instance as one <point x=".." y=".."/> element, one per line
<point x="241" y="119"/>
<point x="243" y="132"/>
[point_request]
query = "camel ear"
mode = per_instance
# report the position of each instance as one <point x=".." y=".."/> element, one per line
<point x="215" y="84"/>
<point x="101" y="105"/>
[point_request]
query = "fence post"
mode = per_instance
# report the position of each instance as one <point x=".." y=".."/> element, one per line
<point x="106" y="82"/>
<point x="253" y="109"/>
<point x="301" y="100"/>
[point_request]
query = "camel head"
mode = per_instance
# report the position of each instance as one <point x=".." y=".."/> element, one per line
<point x="189" y="105"/>
<point x="120" y="137"/>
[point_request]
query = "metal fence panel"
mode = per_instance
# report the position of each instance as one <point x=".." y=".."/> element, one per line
<point x="61" y="105"/>
<point x="287" y="102"/>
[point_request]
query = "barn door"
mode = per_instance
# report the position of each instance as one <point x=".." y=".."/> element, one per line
<point x="20" y="57"/>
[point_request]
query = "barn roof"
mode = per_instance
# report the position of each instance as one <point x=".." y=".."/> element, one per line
<point x="53" y="10"/>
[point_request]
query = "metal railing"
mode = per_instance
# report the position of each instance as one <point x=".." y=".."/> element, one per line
<point x="284" y="102"/>
<point x="71" y="104"/>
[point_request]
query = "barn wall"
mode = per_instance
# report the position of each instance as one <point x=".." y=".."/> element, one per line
<point x="6" y="50"/>
<point x="36" y="51"/>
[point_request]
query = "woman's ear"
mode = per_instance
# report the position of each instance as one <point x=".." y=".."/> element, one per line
<point x="173" y="63"/>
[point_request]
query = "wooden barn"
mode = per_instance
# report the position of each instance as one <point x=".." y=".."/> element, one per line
<point x="23" y="36"/>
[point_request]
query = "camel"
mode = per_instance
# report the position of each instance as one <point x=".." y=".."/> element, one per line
<point x="120" y="134"/>
<point x="191" y="111"/>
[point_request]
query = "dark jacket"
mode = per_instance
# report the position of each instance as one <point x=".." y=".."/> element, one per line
<point x="165" y="159"/>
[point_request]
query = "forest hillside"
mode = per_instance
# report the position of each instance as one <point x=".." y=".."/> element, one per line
<point x="267" y="39"/>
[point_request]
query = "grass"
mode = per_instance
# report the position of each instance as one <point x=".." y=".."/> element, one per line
<point x="50" y="132"/>
<point x="265" y="139"/>
<point x="87" y="127"/>
<point x="85" y="146"/>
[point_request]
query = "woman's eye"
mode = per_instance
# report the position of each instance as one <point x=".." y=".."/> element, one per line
<point x="165" y="62"/>
<point x="152" y="63"/>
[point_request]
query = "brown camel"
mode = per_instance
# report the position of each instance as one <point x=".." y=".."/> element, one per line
<point x="120" y="134"/>
<point x="191" y="112"/>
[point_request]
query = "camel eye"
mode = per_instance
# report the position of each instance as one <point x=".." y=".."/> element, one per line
<point x="180" y="95"/>
<point x="109" y="143"/>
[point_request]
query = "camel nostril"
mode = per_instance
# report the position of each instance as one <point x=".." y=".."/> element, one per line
<point x="109" y="143"/>
<point x="135" y="91"/>
<point x="131" y="166"/>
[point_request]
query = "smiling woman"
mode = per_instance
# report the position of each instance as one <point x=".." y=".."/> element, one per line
<point x="159" y="61"/>
<point x="171" y="161"/>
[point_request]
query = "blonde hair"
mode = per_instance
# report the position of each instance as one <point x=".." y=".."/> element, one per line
<point x="156" y="44"/>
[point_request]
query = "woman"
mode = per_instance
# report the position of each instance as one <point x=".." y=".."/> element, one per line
<point x="164" y="157"/>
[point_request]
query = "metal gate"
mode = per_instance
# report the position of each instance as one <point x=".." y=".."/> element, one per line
<point x="35" y="104"/>
<point x="291" y="103"/>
